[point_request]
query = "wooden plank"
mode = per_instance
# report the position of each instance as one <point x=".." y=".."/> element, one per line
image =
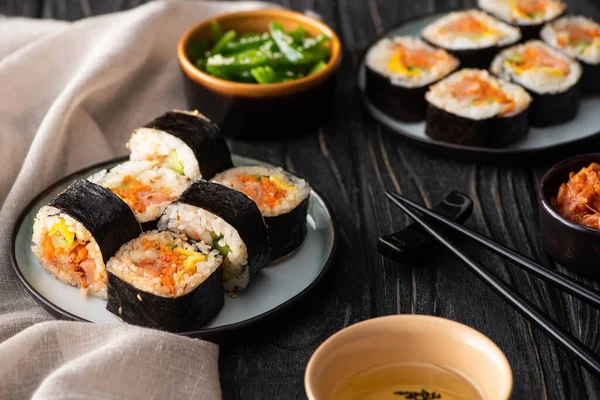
<point x="21" y="8"/>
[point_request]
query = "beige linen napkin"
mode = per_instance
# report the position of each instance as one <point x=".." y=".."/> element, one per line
<point x="70" y="95"/>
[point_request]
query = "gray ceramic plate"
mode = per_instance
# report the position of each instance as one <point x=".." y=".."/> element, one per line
<point x="275" y="288"/>
<point x="585" y="125"/>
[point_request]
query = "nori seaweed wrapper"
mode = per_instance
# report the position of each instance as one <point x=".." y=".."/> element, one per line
<point x="149" y="225"/>
<point x="490" y="132"/>
<point x="590" y="79"/>
<point x="202" y="136"/>
<point x="179" y="314"/>
<point x="529" y="32"/>
<point x="474" y="58"/>
<point x="287" y="231"/>
<point x="239" y="211"/>
<point x="402" y="103"/>
<point x="108" y="218"/>
<point x="554" y="108"/>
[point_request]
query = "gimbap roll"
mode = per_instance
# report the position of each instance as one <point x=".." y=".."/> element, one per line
<point x="552" y="79"/>
<point x="162" y="280"/>
<point x="528" y="15"/>
<point x="472" y="36"/>
<point x="473" y="108"/>
<point x="399" y="70"/>
<point x="145" y="187"/>
<point x="282" y="199"/>
<point x="227" y="220"/>
<point x="578" y="37"/>
<point x="78" y="231"/>
<point x="187" y="142"/>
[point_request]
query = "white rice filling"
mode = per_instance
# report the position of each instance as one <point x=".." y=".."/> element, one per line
<point x="293" y="197"/>
<point x="508" y="10"/>
<point x="536" y="79"/>
<point x="379" y="56"/>
<point x="500" y="34"/>
<point x="552" y="32"/>
<point x="440" y="96"/>
<point x="126" y="264"/>
<point x="61" y="266"/>
<point x="200" y="225"/>
<point x="166" y="185"/>
<point x="147" y="144"/>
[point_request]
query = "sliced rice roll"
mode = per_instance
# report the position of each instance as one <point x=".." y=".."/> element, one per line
<point x="282" y="199"/>
<point x="472" y="36"/>
<point x="78" y="231"/>
<point x="473" y="108"/>
<point x="552" y="79"/>
<point x="528" y="15"/>
<point x="578" y="37"/>
<point x="227" y="220"/>
<point x="187" y="142"/>
<point x="164" y="281"/>
<point x="399" y="70"/>
<point x="145" y="187"/>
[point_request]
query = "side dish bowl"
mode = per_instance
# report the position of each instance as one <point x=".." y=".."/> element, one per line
<point x="574" y="246"/>
<point x="399" y="339"/>
<point x="273" y="111"/>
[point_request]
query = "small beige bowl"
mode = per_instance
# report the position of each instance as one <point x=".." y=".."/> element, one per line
<point x="408" y="338"/>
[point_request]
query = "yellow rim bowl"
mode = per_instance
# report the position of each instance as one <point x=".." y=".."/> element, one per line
<point x="408" y="338"/>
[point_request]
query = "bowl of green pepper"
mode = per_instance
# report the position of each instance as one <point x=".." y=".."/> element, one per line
<point x="261" y="75"/>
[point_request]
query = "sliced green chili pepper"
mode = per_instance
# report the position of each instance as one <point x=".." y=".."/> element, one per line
<point x="298" y="34"/>
<point x="215" y="30"/>
<point x="227" y="37"/>
<point x="270" y="57"/>
<point x="317" y="67"/>
<point x="264" y="74"/>
<point x="248" y="43"/>
<point x="284" y="43"/>
<point x="197" y="49"/>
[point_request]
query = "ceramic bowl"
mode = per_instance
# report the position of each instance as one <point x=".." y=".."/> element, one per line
<point x="574" y="246"/>
<point x="412" y="339"/>
<point x="261" y="112"/>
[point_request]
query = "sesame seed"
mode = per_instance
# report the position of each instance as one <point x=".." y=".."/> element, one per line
<point x="120" y="310"/>
<point x="139" y="297"/>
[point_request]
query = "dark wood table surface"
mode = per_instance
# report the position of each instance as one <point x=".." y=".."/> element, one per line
<point x="351" y="160"/>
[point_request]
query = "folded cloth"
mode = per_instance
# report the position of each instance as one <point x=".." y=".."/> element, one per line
<point x="70" y="95"/>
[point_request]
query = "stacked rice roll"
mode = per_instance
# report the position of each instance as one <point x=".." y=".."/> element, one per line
<point x="163" y="280"/>
<point x="528" y="15"/>
<point x="552" y="79"/>
<point x="78" y="231"/>
<point x="578" y="37"/>
<point x="399" y="70"/>
<point x="282" y="199"/>
<point x="226" y="220"/>
<point x="472" y="36"/>
<point x="184" y="141"/>
<point x="145" y="187"/>
<point x="471" y="107"/>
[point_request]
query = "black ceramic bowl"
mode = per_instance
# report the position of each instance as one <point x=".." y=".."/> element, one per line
<point x="261" y="112"/>
<point x="574" y="246"/>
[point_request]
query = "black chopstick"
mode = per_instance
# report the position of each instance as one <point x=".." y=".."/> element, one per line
<point x="557" y="333"/>
<point x="568" y="284"/>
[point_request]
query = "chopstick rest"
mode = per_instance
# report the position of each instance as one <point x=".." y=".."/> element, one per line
<point x="412" y="240"/>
